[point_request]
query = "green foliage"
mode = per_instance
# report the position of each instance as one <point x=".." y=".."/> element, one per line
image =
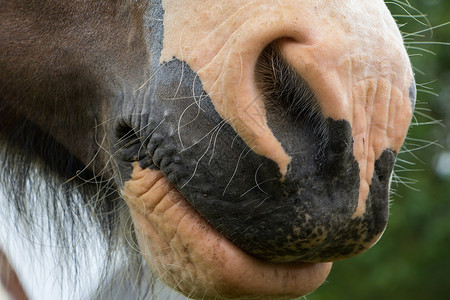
<point x="412" y="260"/>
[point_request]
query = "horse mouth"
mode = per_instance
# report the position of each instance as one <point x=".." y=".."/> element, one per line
<point x="306" y="216"/>
<point x="187" y="252"/>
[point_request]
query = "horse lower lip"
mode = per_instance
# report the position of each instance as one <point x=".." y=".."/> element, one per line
<point x="168" y="221"/>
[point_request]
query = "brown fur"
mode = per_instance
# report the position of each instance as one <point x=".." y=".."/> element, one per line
<point x="60" y="65"/>
<point x="65" y="53"/>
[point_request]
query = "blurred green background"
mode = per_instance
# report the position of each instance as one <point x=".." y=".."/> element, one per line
<point x="412" y="260"/>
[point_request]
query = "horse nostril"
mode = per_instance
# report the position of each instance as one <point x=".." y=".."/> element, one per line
<point x="285" y="90"/>
<point x="291" y="103"/>
<point x="288" y="97"/>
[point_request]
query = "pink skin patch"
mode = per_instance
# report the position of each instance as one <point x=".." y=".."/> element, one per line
<point x="192" y="257"/>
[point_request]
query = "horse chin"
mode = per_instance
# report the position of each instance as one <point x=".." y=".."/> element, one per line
<point x="191" y="256"/>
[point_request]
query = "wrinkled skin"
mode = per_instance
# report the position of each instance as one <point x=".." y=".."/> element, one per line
<point x="253" y="142"/>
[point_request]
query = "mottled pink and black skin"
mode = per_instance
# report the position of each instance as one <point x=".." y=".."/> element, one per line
<point x="83" y="87"/>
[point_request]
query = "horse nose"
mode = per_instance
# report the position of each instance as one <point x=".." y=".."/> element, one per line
<point x="292" y="104"/>
<point x="231" y="80"/>
<point x="330" y="51"/>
